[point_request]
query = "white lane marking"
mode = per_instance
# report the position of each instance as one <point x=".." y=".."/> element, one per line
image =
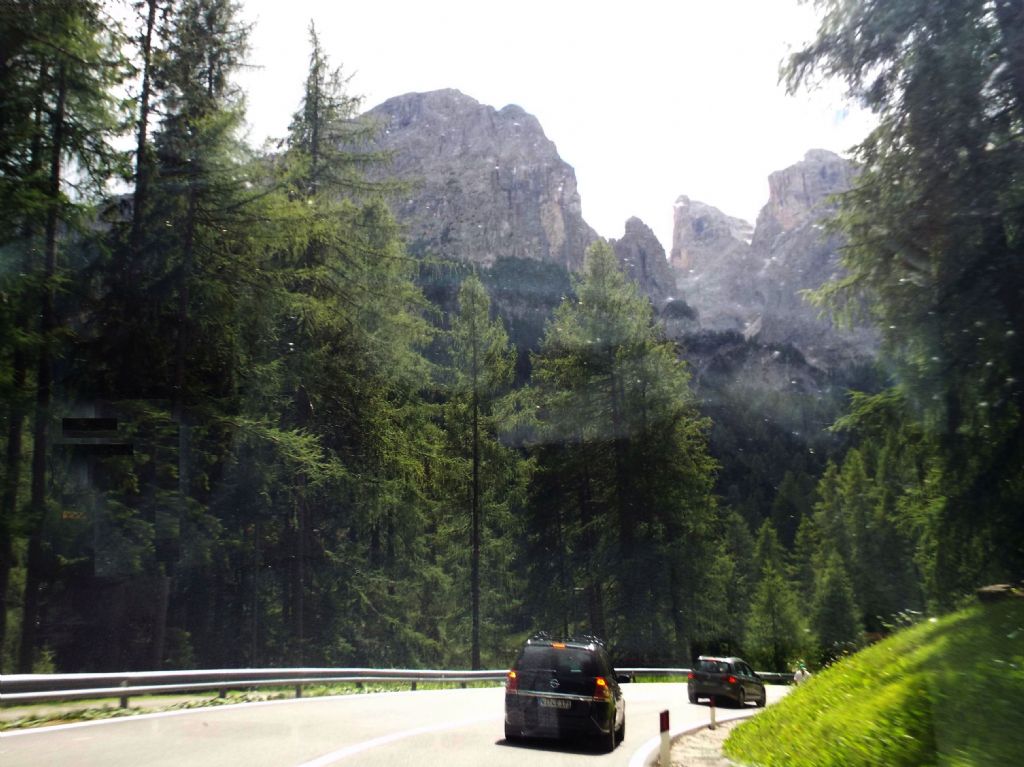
<point x="366" y="745"/>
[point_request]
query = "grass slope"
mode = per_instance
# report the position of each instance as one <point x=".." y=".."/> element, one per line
<point x="946" y="693"/>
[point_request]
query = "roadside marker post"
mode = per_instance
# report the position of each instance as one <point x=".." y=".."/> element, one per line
<point x="712" y="726"/>
<point x="666" y="758"/>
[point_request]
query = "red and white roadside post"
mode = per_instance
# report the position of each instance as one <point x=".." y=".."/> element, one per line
<point x="666" y="744"/>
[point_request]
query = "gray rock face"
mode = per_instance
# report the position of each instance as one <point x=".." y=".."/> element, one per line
<point x="702" y="235"/>
<point x="799" y="255"/>
<point x="714" y="265"/>
<point x="485" y="184"/>
<point x="799" y="195"/>
<point x="757" y="289"/>
<point x="643" y="259"/>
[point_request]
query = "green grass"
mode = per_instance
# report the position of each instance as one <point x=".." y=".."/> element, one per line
<point x="948" y="692"/>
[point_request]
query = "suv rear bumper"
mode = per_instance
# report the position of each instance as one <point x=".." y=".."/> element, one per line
<point x="524" y="715"/>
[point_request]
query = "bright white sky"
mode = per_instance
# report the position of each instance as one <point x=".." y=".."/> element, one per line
<point x="646" y="99"/>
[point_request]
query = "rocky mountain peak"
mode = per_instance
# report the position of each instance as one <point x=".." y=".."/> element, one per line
<point x="702" y="233"/>
<point x="799" y="194"/>
<point x="485" y="184"/>
<point x="643" y="258"/>
<point x="755" y="285"/>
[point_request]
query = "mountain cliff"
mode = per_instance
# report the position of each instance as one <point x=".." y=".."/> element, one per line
<point x="485" y="184"/>
<point x="643" y="259"/>
<point x="486" y="187"/>
<point x="754" y="279"/>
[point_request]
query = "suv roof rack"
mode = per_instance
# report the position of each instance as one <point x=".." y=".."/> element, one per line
<point x="580" y="639"/>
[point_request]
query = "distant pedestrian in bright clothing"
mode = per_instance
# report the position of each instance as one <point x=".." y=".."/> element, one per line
<point x="801" y="675"/>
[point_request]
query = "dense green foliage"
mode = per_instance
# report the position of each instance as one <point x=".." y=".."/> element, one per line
<point x="621" y="511"/>
<point x="331" y="450"/>
<point x="935" y="231"/>
<point x="944" y="692"/>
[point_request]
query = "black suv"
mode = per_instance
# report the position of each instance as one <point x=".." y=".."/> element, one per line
<point x="725" y="679"/>
<point x="565" y="688"/>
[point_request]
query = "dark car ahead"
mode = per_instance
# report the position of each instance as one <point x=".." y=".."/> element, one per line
<point x="725" y="679"/>
<point x="562" y="689"/>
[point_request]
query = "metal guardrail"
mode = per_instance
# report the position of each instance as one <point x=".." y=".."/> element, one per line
<point x="41" y="688"/>
<point x="772" y="677"/>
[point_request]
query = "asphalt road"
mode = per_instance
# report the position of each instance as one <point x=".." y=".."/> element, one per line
<point x="453" y="728"/>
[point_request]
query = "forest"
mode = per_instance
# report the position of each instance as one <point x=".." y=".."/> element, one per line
<point x="237" y="431"/>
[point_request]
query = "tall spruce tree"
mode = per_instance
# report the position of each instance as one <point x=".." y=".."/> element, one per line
<point x="62" y="68"/>
<point x="776" y="625"/>
<point x="934" y="231"/>
<point x="351" y="323"/>
<point x="834" y="615"/>
<point x="482" y="367"/>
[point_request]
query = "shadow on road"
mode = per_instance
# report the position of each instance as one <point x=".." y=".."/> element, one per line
<point x="549" y="744"/>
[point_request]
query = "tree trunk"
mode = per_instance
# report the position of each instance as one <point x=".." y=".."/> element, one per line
<point x="141" y="166"/>
<point x="44" y="393"/>
<point x="16" y="410"/>
<point x="475" y="561"/>
<point x="299" y="586"/>
<point x="163" y="593"/>
<point x="12" y="478"/>
<point x="592" y="589"/>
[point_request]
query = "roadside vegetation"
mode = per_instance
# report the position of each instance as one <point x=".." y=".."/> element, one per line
<point x="947" y="691"/>
<point x="290" y="456"/>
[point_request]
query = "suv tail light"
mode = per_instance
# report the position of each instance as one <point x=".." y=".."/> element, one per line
<point x="731" y="680"/>
<point x="691" y="675"/>
<point x="601" y="690"/>
<point x="512" y="682"/>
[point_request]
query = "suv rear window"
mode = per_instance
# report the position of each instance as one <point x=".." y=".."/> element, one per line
<point x="566" y="661"/>
<point x="713" y="666"/>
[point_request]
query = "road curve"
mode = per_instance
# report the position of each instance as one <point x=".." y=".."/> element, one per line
<point x="456" y="728"/>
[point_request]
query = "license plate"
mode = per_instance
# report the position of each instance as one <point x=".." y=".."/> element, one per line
<point x="555" y="703"/>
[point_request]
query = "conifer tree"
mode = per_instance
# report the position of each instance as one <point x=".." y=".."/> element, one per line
<point x="934" y="249"/>
<point x="624" y="449"/>
<point x="835" y="618"/>
<point x="482" y="366"/>
<point x="62" y="68"/>
<point x="776" y="628"/>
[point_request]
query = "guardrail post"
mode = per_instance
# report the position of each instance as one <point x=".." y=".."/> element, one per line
<point x="666" y="743"/>
<point x="298" y="691"/>
<point x="222" y="692"/>
<point x="462" y="685"/>
<point x="414" y="685"/>
<point x="124" y="696"/>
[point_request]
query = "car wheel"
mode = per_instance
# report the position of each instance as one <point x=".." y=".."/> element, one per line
<point x="763" y="699"/>
<point x="622" y="731"/>
<point x="741" y="698"/>
<point x="693" y="697"/>
<point x="511" y="733"/>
